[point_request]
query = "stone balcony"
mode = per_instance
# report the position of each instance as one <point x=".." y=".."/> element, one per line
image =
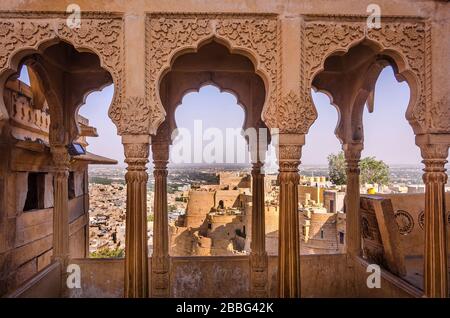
<point x="31" y="123"/>
<point x="390" y="237"/>
<point x="222" y="277"/>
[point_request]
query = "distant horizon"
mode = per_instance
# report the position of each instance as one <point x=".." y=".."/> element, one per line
<point x="216" y="166"/>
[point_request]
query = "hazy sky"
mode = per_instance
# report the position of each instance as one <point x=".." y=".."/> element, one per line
<point x="388" y="136"/>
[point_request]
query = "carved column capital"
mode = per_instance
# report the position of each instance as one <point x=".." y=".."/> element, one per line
<point x="434" y="158"/>
<point x="288" y="161"/>
<point x="352" y="153"/>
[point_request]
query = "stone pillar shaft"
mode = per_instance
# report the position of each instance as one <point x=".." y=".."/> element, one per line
<point x="160" y="257"/>
<point x="61" y="161"/>
<point x="136" y="250"/>
<point x="352" y="156"/>
<point x="435" y="178"/>
<point x="289" y="238"/>
<point x="258" y="256"/>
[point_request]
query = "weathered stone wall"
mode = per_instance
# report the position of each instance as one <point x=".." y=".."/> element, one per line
<point x="26" y="243"/>
<point x="198" y="206"/>
<point x="223" y="277"/>
<point x="322" y="236"/>
<point x="412" y="241"/>
<point x="311" y="193"/>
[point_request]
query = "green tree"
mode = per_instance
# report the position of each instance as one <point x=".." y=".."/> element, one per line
<point x="374" y="171"/>
<point x="106" y="252"/>
<point x="336" y="168"/>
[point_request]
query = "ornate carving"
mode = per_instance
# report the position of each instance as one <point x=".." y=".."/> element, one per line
<point x="434" y="157"/>
<point x="168" y="34"/>
<point x="290" y="152"/>
<point x="105" y="38"/>
<point x="101" y="33"/>
<point x="412" y="40"/>
<point x="421" y="219"/>
<point x="295" y="117"/>
<point x="136" y="157"/>
<point x="133" y="117"/>
<point x="352" y="153"/>
<point x="321" y="39"/>
<point x="440" y="115"/>
<point x="60" y="156"/>
<point x="17" y="34"/>
<point x="404" y="222"/>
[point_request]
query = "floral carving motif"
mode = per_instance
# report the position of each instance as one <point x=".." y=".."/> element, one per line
<point x="294" y="116"/>
<point x="261" y="36"/>
<point x="404" y="222"/>
<point x="167" y="34"/>
<point x="133" y="117"/>
<point x="16" y="34"/>
<point x="322" y="39"/>
<point x="440" y="115"/>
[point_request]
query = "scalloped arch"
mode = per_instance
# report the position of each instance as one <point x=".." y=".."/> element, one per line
<point x="392" y="54"/>
<point x="100" y="34"/>
<point x="163" y="47"/>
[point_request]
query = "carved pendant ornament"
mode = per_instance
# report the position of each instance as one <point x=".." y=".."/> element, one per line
<point x="323" y="36"/>
<point x="256" y="36"/>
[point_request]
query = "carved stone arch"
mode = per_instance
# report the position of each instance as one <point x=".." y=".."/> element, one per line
<point x="256" y="36"/>
<point x="24" y="33"/>
<point x="404" y="44"/>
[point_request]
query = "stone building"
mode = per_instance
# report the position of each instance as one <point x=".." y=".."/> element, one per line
<point x="270" y="54"/>
<point x="215" y="219"/>
<point x="28" y="187"/>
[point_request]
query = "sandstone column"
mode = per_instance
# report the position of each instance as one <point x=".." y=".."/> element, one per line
<point x="136" y="250"/>
<point x="289" y="154"/>
<point x="258" y="255"/>
<point x="160" y="257"/>
<point x="435" y="254"/>
<point x="61" y="160"/>
<point x="352" y="153"/>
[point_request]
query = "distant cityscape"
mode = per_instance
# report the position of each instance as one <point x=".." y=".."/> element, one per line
<point x="193" y="232"/>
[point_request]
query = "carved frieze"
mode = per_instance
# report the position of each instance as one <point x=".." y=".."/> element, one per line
<point x="169" y="34"/>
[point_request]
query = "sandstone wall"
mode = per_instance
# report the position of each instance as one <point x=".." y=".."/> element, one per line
<point x="27" y="236"/>
<point x="195" y="277"/>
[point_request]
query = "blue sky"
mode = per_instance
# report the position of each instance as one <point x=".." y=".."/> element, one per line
<point x="388" y="136"/>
